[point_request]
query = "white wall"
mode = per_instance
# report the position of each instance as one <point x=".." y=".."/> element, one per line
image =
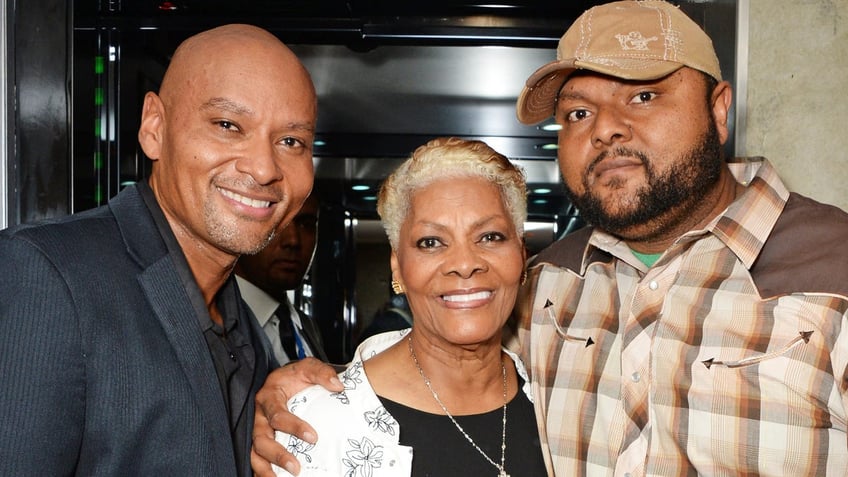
<point x="797" y="111"/>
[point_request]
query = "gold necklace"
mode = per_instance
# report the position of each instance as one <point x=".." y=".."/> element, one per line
<point x="501" y="469"/>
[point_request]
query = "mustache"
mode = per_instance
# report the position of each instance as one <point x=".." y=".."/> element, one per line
<point x="620" y="151"/>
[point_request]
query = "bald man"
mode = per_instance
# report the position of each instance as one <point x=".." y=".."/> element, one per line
<point x="125" y="348"/>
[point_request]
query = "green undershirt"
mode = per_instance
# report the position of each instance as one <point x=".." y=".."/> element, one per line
<point x="649" y="259"/>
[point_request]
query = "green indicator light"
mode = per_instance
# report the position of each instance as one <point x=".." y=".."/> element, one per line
<point x="98" y="161"/>
<point x="98" y="96"/>
<point x="98" y="65"/>
<point x="97" y="127"/>
<point x="98" y="194"/>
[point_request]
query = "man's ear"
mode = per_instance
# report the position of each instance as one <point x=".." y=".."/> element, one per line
<point x="721" y="99"/>
<point x="151" y="131"/>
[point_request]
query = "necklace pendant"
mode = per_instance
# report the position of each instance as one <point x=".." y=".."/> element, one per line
<point x="503" y="473"/>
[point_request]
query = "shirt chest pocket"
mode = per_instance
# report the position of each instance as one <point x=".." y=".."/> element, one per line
<point x="774" y="366"/>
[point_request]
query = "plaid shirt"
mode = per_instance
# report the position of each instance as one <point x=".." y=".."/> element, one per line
<point x="727" y="357"/>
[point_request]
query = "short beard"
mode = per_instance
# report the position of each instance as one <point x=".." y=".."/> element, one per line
<point x="666" y="200"/>
<point x="228" y="236"/>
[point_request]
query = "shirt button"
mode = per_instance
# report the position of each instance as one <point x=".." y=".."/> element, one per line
<point x="636" y="376"/>
<point x="653" y="285"/>
<point x="232" y="356"/>
<point x="628" y="474"/>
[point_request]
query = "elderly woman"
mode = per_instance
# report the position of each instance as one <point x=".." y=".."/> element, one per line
<point x="444" y="398"/>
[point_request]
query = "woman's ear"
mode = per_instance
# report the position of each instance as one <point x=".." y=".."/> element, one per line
<point x="393" y="260"/>
<point x="524" y="250"/>
<point x="151" y="131"/>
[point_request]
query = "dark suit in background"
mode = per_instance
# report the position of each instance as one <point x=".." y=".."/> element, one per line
<point x="265" y="277"/>
<point x="262" y="309"/>
<point x="313" y="335"/>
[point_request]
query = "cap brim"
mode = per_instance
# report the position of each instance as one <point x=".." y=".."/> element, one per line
<point x="537" y="100"/>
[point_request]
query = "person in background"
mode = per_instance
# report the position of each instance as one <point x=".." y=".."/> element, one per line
<point x="125" y="348"/>
<point x="265" y="277"/>
<point x="443" y="398"/>
<point x="393" y="315"/>
<point x="699" y="324"/>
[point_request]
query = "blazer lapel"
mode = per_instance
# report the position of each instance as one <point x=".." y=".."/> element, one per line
<point x="175" y="313"/>
<point x="173" y="309"/>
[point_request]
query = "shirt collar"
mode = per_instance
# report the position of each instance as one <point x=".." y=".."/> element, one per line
<point x="263" y="305"/>
<point x="743" y="227"/>
<point x="226" y="298"/>
<point x="746" y="224"/>
<point x="260" y="303"/>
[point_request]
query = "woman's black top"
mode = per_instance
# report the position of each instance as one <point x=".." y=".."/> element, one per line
<point x="440" y="450"/>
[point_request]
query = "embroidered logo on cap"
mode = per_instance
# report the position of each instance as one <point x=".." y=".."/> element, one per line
<point x="634" y="41"/>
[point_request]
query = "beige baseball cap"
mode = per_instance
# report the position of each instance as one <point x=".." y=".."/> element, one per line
<point x="630" y="39"/>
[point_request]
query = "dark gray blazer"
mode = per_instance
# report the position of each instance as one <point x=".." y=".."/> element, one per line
<point x="104" y="370"/>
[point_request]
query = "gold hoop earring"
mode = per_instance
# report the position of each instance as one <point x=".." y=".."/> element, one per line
<point x="397" y="287"/>
<point x="523" y="277"/>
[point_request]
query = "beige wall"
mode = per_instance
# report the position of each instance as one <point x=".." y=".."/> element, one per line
<point x="797" y="111"/>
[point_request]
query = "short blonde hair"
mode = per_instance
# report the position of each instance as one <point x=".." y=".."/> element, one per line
<point x="444" y="158"/>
